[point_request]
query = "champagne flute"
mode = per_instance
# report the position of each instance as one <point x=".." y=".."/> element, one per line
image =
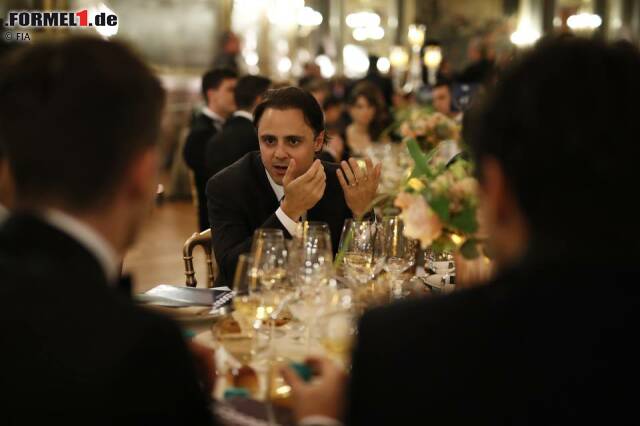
<point x="400" y="252"/>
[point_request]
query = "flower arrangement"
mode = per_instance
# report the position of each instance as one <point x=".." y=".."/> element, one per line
<point x="426" y="127"/>
<point x="437" y="200"/>
<point x="439" y="203"/>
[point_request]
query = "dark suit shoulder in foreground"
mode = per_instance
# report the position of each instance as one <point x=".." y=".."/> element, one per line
<point x="75" y="349"/>
<point x="545" y="344"/>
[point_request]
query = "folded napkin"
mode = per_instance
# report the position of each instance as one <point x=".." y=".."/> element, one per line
<point x="182" y="302"/>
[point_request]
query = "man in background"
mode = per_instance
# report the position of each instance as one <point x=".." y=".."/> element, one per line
<point x="284" y="183"/>
<point x="75" y="349"/>
<point x="442" y="100"/>
<point x="238" y="136"/>
<point x="217" y="89"/>
<point x="229" y="50"/>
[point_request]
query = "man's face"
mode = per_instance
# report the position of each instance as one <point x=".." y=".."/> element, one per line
<point x="442" y="100"/>
<point x="285" y="136"/>
<point x="222" y="99"/>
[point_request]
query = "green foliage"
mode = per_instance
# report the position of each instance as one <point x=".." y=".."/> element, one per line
<point x="465" y="221"/>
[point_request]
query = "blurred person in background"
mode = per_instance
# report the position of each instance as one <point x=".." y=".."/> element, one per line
<point x="481" y="67"/>
<point x="319" y="89"/>
<point x="335" y="123"/>
<point x="384" y="84"/>
<point x="238" y="136"/>
<point x="284" y="182"/>
<point x="443" y="101"/>
<point x="218" y="92"/>
<point x="549" y="339"/>
<point x="310" y="71"/>
<point x="369" y="116"/>
<point x="229" y="50"/>
<point x="79" y="350"/>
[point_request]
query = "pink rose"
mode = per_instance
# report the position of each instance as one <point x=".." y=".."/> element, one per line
<point x="406" y="131"/>
<point x="420" y="221"/>
<point x="464" y="188"/>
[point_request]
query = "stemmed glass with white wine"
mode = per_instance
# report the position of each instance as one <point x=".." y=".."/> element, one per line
<point x="399" y="252"/>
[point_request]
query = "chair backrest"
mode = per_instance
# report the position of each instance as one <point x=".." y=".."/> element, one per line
<point x="202" y="239"/>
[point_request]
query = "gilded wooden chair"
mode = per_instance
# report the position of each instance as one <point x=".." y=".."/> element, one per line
<point x="202" y="239"/>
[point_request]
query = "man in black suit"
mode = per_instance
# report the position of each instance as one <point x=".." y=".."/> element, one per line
<point x="284" y="183"/>
<point x="550" y="339"/>
<point x="74" y="348"/>
<point x="238" y="136"/>
<point x="217" y="89"/>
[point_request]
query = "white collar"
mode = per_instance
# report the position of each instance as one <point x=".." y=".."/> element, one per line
<point x="277" y="189"/>
<point x="212" y="115"/>
<point x="245" y="114"/>
<point x="89" y="238"/>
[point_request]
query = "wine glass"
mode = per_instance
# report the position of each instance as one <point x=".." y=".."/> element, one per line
<point x="262" y="234"/>
<point x="357" y="245"/>
<point x="337" y="334"/>
<point x="247" y="311"/>
<point x="314" y="234"/>
<point x="269" y="254"/>
<point x="399" y="252"/>
<point x="311" y="269"/>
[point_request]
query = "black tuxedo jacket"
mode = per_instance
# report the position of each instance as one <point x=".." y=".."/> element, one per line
<point x="76" y="350"/>
<point x="549" y="342"/>
<point x="241" y="200"/>
<point x="195" y="149"/>
<point x="237" y="138"/>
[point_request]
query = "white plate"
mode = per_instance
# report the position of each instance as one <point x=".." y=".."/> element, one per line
<point x="435" y="281"/>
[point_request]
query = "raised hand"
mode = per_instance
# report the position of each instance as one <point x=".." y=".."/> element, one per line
<point x="359" y="186"/>
<point x="303" y="192"/>
<point x="323" y="396"/>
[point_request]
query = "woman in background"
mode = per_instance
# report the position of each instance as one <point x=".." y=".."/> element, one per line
<point x="370" y="117"/>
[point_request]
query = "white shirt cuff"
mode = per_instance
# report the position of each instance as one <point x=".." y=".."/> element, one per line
<point x="318" y="421"/>
<point x="286" y="221"/>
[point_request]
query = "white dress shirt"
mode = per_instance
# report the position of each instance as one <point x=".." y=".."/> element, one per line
<point x="89" y="239"/>
<point x="218" y="120"/>
<point x="289" y="224"/>
<point x="245" y="114"/>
